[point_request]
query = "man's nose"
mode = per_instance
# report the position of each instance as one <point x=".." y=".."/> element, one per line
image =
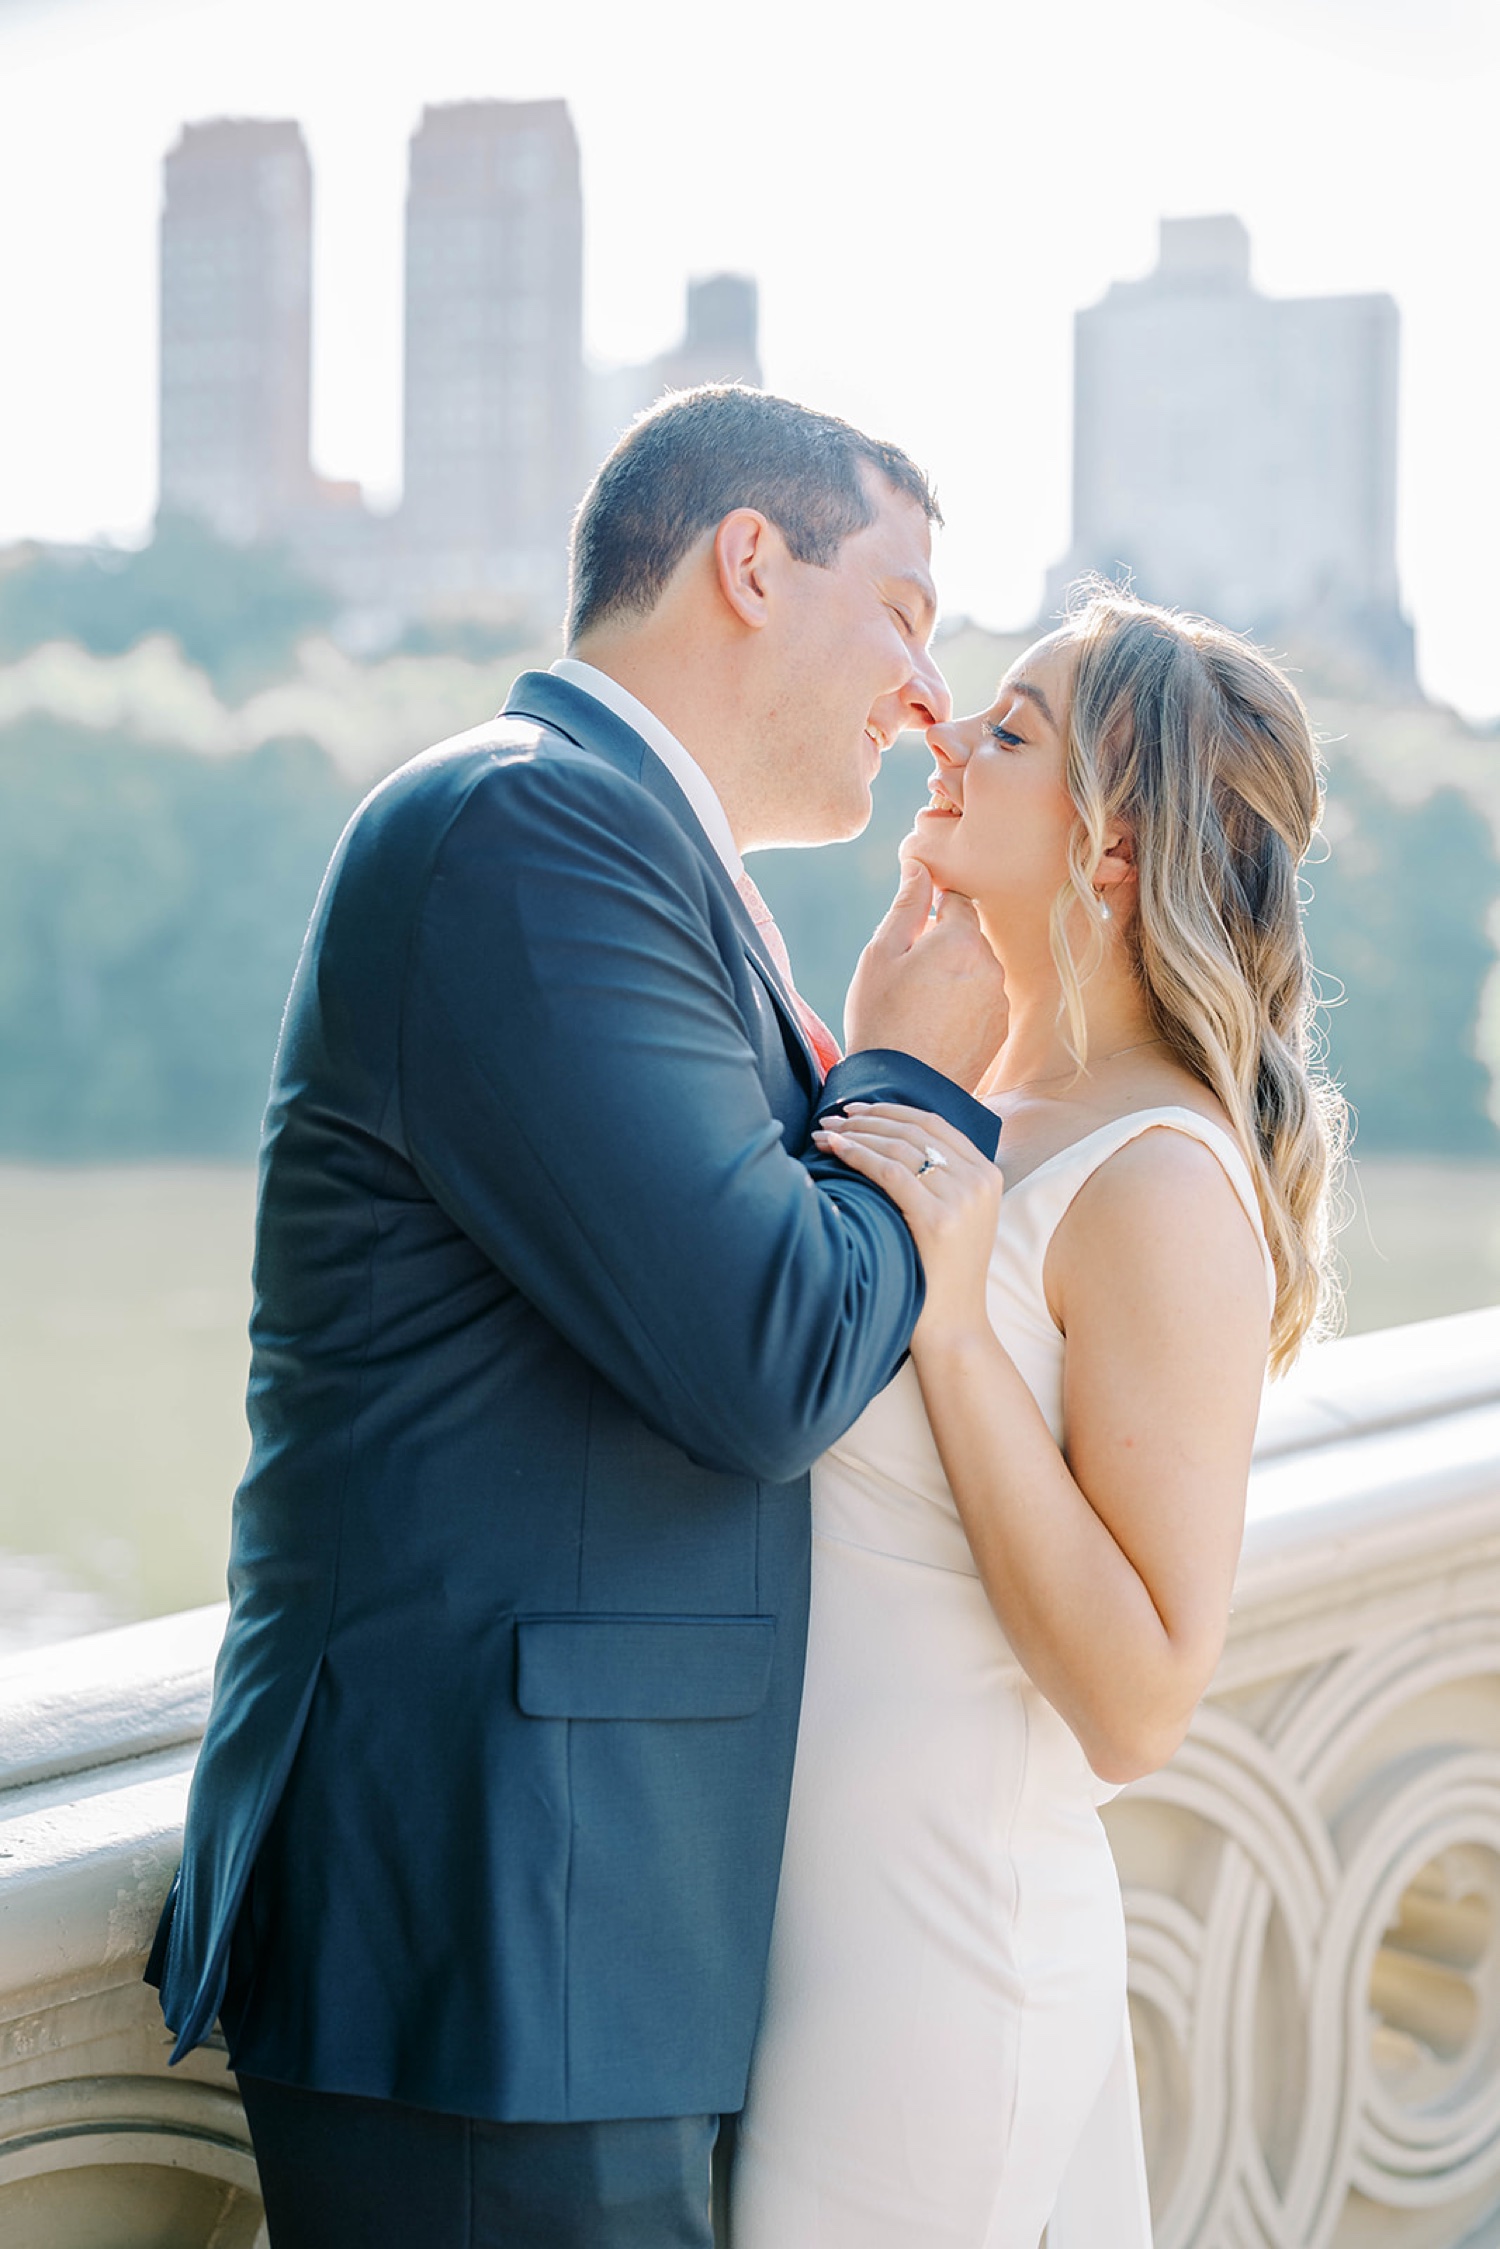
<point x="926" y="696"/>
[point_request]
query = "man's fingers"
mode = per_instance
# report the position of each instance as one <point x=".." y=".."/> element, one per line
<point x="954" y="911"/>
<point x="909" y="909"/>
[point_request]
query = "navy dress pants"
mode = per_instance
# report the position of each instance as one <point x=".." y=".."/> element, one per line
<point x="341" y="2172"/>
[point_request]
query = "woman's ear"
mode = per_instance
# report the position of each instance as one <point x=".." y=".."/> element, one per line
<point x="1115" y="866"/>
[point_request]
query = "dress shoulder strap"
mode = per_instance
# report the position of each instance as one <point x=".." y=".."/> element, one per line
<point x="1034" y="1207"/>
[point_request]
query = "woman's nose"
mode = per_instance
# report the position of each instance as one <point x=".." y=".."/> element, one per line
<point x="947" y="744"/>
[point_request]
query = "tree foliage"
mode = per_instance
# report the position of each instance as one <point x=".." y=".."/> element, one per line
<point x="238" y="612"/>
<point x="1397" y="925"/>
<point x="152" y="903"/>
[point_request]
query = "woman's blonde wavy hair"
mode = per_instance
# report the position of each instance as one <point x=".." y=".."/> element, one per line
<point x="1196" y="743"/>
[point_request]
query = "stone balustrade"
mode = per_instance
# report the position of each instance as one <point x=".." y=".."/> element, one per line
<point x="1313" y="1884"/>
<point x="100" y="2147"/>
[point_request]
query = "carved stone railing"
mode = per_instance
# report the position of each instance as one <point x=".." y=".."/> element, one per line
<point x="1313" y="1884"/>
<point x="99" y="2147"/>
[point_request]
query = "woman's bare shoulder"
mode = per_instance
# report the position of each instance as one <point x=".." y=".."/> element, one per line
<point x="1158" y="1210"/>
<point x="1163" y="1172"/>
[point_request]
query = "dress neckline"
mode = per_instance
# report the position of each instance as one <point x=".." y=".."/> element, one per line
<point x="1112" y="1124"/>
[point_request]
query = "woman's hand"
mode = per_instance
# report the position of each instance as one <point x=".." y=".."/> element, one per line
<point x="948" y="1193"/>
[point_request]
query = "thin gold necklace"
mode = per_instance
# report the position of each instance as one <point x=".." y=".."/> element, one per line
<point x="1026" y="1083"/>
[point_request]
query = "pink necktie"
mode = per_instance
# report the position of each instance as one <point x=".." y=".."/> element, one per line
<point x="822" y="1041"/>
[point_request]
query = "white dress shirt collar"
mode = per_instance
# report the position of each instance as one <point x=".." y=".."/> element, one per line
<point x="683" y="767"/>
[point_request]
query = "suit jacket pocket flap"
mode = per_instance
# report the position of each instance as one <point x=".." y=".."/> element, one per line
<point x="643" y="1666"/>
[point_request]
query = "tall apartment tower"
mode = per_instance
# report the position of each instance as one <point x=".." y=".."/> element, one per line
<point x="720" y="344"/>
<point x="1238" y="452"/>
<point x="721" y="341"/>
<point x="494" y="354"/>
<point x="236" y="328"/>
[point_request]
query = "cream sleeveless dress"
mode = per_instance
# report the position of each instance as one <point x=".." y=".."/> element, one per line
<point x="944" y="2059"/>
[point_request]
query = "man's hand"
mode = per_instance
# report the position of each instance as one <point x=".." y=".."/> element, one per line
<point x="932" y="989"/>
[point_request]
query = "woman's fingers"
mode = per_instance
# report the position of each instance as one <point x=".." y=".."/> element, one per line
<point x="922" y="1158"/>
<point x="898" y="1179"/>
<point x="927" y="1137"/>
<point x="950" y="1206"/>
<point x="896" y="1141"/>
<point x="914" y="1146"/>
<point x="941" y="1191"/>
<point x="915" y="1149"/>
<point x="924" y="1121"/>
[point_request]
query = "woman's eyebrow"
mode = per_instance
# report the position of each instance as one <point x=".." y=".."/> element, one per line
<point x="1033" y="695"/>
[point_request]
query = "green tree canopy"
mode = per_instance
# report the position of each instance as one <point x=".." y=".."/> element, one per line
<point x="236" y="611"/>
<point x="1397" y="927"/>
<point x="152" y="904"/>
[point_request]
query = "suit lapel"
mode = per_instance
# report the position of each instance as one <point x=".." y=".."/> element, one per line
<point x="587" y="723"/>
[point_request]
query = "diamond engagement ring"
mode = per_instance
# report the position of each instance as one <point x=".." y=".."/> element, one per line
<point x="933" y="1159"/>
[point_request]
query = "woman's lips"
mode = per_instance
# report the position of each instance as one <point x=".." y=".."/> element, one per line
<point x="939" y="801"/>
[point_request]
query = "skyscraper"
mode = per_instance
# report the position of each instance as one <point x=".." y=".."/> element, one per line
<point x="494" y="352"/>
<point x="236" y="283"/>
<point x="1237" y="452"/>
<point x="720" y="344"/>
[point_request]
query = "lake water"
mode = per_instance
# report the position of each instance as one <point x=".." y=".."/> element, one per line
<point x="123" y="1299"/>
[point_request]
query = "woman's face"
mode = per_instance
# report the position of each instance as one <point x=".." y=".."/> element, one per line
<point x="1000" y="817"/>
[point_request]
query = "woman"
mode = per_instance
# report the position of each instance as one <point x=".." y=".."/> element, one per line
<point x="1025" y="1547"/>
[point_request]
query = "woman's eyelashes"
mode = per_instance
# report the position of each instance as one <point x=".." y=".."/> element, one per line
<point x="1002" y="734"/>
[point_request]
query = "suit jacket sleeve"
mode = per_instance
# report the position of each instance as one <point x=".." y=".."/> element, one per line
<point x="880" y="1073"/>
<point x="577" y="1089"/>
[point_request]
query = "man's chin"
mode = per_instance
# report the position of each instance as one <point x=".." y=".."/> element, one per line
<point x="841" y="823"/>
<point x="854" y="821"/>
<point x="807" y="829"/>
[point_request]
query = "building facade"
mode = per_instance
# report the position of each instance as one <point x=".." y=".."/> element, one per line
<point x="236" y="326"/>
<point x="1237" y="452"/>
<point x="502" y="428"/>
<point x="720" y="343"/>
<point x="494" y="454"/>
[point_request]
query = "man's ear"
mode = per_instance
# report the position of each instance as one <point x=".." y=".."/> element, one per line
<point x="743" y="546"/>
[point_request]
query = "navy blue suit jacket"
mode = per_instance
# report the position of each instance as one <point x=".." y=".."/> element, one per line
<point x="553" y="1311"/>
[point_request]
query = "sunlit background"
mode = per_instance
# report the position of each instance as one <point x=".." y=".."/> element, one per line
<point x="898" y="214"/>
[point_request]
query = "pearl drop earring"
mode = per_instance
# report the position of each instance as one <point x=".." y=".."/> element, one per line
<point x="1104" y="912"/>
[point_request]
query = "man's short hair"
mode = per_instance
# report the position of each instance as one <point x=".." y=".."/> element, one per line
<point x="696" y="457"/>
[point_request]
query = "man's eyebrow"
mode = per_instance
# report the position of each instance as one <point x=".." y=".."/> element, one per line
<point x="1033" y="695"/>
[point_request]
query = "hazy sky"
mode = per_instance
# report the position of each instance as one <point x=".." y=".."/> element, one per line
<point x="925" y="193"/>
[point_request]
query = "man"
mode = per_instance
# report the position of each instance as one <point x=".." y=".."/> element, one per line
<point x="553" y="1312"/>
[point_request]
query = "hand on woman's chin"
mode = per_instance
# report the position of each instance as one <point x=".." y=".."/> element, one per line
<point x="914" y="845"/>
<point x="920" y="848"/>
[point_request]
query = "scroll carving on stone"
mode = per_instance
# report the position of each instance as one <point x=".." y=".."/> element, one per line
<point x="1313" y="1894"/>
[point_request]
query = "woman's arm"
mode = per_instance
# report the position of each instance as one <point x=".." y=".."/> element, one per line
<point x="1111" y="1569"/>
